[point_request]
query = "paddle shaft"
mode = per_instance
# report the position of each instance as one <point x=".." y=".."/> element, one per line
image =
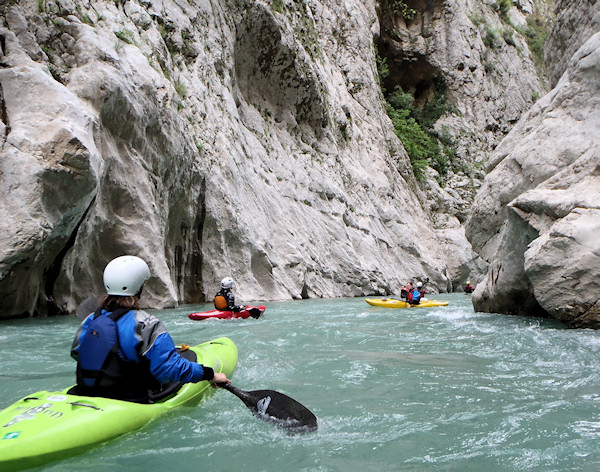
<point x="87" y="307"/>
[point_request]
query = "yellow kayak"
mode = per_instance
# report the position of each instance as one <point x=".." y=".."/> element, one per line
<point x="395" y="303"/>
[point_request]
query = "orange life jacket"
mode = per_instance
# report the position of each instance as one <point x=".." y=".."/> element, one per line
<point x="220" y="302"/>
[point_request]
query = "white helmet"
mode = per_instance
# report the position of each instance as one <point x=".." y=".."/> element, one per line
<point x="419" y="284"/>
<point x="227" y="282"/>
<point x="125" y="275"/>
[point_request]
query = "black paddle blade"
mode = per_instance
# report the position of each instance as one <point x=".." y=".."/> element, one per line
<point x="277" y="408"/>
<point x="254" y="312"/>
<point x="88" y="306"/>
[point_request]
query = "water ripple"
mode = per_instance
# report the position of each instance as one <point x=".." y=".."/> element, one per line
<point x="416" y="390"/>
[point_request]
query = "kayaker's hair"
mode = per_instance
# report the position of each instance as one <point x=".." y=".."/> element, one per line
<point x="112" y="302"/>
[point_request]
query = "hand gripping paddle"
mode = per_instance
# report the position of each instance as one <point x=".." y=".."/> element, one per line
<point x="277" y="408"/>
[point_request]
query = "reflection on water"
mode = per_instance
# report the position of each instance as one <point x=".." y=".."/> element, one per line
<point x="394" y="389"/>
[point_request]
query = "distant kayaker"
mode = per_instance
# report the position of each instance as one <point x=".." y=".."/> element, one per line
<point x="406" y="290"/>
<point x="468" y="287"/>
<point x="410" y="293"/>
<point x="421" y="289"/>
<point x="225" y="299"/>
<point x="126" y="353"/>
<point x="414" y="295"/>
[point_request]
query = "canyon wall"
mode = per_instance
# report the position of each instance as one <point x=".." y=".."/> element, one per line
<point x="235" y="138"/>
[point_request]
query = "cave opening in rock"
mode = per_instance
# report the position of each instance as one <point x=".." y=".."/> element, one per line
<point x="414" y="74"/>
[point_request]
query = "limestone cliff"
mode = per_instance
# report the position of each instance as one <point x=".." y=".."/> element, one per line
<point x="537" y="216"/>
<point x="576" y="22"/>
<point x="488" y="73"/>
<point x="242" y="138"/>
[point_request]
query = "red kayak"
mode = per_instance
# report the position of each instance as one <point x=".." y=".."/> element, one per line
<point x="250" y="311"/>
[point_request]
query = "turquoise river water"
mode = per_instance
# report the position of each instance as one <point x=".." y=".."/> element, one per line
<point x="428" y="389"/>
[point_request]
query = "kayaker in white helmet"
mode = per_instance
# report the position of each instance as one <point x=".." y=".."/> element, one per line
<point x="421" y="289"/>
<point x="225" y="299"/>
<point x="126" y="353"/>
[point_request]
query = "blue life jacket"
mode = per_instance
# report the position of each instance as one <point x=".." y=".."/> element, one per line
<point x="100" y="350"/>
<point x="416" y="297"/>
<point x="102" y="371"/>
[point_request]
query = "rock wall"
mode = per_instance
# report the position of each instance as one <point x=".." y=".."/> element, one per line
<point x="488" y="72"/>
<point x="576" y="22"/>
<point x="537" y="216"/>
<point x="235" y="138"/>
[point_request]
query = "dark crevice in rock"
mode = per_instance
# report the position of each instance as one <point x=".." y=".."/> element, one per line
<point x="409" y="69"/>
<point x="193" y="283"/>
<point x="304" y="294"/>
<point x="47" y="306"/>
<point x="4" y="113"/>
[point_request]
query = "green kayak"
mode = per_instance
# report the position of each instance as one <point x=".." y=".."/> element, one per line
<point x="47" y="426"/>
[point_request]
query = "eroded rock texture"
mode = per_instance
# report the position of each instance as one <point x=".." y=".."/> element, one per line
<point x="537" y="216"/>
<point x="242" y="138"/>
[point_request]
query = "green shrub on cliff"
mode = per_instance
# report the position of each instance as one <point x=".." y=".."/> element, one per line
<point x="400" y="8"/>
<point x="417" y="143"/>
<point x="503" y="7"/>
<point x="414" y="126"/>
<point x="536" y="33"/>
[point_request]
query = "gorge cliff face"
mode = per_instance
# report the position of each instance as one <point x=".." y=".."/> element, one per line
<point x="537" y="216"/>
<point x="576" y="21"/>
<point x="486" y="69"/>
<point x="238" y="138"/>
